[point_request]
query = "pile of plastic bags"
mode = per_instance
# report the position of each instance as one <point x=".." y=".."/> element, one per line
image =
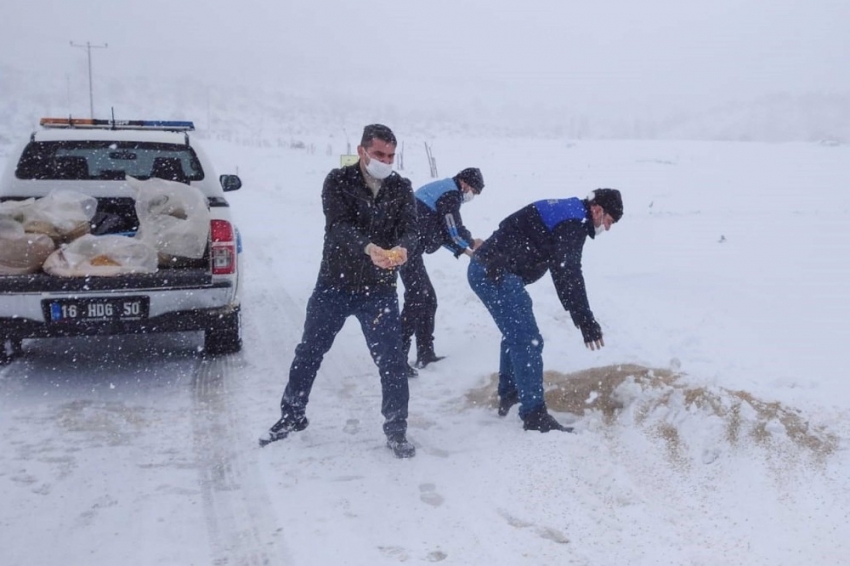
<point x="52" y="232"/>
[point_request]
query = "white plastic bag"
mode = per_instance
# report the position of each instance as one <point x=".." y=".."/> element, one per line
<point x="15" y="209"/>
<point x="173" y="217"/>
<point x="62" y="214"/>
<point x="21" y="252"/>
<point x="102" y="256"/>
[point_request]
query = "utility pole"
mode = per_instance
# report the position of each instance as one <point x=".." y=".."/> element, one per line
<point x="88" y="46"/>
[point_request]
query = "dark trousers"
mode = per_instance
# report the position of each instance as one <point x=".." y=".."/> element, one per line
<point x="377" y="312"/>
<point x="420" y="306"/>
<point x="521" y="350"/>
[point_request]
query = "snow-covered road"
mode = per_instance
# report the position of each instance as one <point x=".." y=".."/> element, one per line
<point x="125" y="450"/>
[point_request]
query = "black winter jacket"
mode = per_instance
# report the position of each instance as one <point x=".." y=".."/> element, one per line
<point x="545" y="236"/>
<point x="354" y="218"/>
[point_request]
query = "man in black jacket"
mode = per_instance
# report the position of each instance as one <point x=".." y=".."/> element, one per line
<point x="546" y="235"/>
<point x="370" y="223"/>
<point x="439" y="225"/>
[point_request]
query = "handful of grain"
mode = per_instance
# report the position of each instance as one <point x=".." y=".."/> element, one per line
<point x="395" y="256"/>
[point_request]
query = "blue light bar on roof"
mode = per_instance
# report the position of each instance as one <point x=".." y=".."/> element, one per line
<point x="171" y="125"/>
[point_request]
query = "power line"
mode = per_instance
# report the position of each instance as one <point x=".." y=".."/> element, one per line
<point x="88" y="47"/>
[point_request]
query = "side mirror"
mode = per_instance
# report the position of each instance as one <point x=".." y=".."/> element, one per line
<point x="230" y="182"/>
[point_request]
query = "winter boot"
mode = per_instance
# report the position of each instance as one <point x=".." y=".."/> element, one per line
<point x="506" y="402"/>
<point x="409" y="371"/>
<point x="400" y="446"/>
<point x="539" y="419"/>
<point x="283" y="427"/>
<point x="427" y="357"/>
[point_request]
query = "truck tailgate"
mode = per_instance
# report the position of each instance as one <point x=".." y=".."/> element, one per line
<point x="164" y="279"/>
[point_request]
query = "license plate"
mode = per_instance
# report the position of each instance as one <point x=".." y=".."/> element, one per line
<point x="98" y="309"/>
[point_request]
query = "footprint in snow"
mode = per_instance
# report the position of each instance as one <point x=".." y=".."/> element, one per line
<point x="429" y="495"/>
<point x="396" y="552"/>
<point x="352" y="426"/>
<point x="547" y="533"/>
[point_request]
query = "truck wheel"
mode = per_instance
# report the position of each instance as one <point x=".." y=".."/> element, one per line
<point x="10" y="348"/>
<point x="225" y="337"/>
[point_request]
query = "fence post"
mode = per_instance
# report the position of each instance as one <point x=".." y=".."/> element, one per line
<point x="432" y="162"/>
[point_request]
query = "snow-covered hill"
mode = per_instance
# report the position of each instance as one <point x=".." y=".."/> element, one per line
<point x="266" y="116"/>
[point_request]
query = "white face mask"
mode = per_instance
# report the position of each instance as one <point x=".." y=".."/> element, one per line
<point x="601" y="228"/>
<point x="468" y="196"/>
<point x="379" y="169"/>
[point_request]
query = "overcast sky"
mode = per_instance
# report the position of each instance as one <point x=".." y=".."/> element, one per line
<point x="652" y="55"/>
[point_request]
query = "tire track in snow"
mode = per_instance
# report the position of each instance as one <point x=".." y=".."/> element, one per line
<point x="240" y="520"/>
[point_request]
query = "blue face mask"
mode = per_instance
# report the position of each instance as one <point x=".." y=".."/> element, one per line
<point x="468" y="196"/>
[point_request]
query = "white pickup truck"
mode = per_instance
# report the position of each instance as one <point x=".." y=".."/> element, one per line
<point x="93" y="157"/>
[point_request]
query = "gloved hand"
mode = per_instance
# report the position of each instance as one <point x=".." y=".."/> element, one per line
<point x="592" y="334"/>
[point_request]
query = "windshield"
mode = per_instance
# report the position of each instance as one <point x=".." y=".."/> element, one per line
<point x="105" y="160"/>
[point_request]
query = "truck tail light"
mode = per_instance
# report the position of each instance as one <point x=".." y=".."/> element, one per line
<point x="223" y="250"/>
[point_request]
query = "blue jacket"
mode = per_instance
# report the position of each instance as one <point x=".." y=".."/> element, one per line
<point x="546" y="235"/>
<point x="438" y="207"/>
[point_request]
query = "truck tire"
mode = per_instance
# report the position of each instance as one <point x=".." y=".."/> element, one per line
<point x="10" y="348"/>
<point x="225" y="337"/>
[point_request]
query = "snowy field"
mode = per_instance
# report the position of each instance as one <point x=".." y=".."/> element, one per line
<point x="712" y="428"/>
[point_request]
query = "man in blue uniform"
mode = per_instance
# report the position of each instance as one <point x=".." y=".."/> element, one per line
<point x="439" y="225"/>
<point x="546" y="235"/>
<point x="370" y="223"/>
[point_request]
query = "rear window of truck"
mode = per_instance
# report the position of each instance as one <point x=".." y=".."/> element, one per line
<point x="107" y="160"/>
